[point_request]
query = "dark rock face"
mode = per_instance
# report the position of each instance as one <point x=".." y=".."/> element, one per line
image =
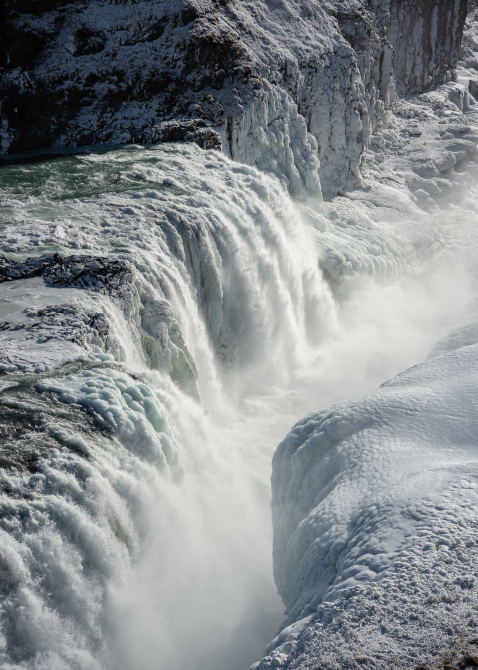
<point x="68" y="71"/>
<point x="426" y="37"/>
<point x="416" y="43"/>
<point x="103" y="274"/>
<point x="184" y="130"/>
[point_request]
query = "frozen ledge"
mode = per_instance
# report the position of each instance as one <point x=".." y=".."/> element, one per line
<point x="375" y="525"/>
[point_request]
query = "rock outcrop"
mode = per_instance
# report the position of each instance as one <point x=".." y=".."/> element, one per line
<point x="102" y="274"/>
<point x="152" y="320"/>
<point x="426" y="39"/>
<point x="289" y="86"/>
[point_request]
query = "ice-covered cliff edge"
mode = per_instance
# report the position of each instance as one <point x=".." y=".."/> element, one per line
<point x="281" y="85"/>
<point x="373" y="500"/>
<point x="374" y="506"/>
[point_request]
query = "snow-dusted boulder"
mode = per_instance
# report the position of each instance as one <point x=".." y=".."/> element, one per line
<point x="375" y="522"/>
<point x="290" y="86"/>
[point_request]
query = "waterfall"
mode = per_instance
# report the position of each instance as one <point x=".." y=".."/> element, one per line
<point x="179" y="312"/>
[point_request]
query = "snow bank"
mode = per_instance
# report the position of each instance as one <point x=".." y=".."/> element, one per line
<point x="375" y="523"/>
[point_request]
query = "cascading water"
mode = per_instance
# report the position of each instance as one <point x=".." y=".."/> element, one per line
<point x="135" y="526"/>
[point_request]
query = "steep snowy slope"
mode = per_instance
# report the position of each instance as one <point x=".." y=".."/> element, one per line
<point x="375" y="515"/>
<point x="279" y="84"/>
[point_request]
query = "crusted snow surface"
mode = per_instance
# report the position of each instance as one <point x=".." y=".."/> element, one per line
<point x="293" y="88"/>
<point x="35" y="339"/>
<point x="426" y="146"/>
<point x="39" y="330"/>
<point x="457" y="338"/>
<point x="374" y="506"/>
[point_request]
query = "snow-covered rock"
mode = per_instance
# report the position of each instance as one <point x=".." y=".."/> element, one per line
<point x="48" y="337"/>
<point x="291" y="87"/>
<point x="425" y="144"/>
<point x="35" y="340"/>
<point x="375" y="516"/>
<point x="460" y="337"/>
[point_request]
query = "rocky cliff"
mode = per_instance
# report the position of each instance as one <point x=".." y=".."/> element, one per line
<point x="291" y="86"/>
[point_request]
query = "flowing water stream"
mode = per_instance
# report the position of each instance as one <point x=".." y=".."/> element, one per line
<point x="135" y="522"/>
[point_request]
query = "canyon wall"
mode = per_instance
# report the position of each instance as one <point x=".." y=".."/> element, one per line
<point x="292" y="87"/>
<point x="373" y="501"/>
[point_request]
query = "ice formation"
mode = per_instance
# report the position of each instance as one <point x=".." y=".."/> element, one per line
<point x="374" y="509"/>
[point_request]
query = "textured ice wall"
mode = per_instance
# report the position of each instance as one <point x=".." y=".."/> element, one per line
<point x="284" y="86"/>
<point x="426" y="143"/>
<point x="374" y="507"/>
<point x="426" y="37"/>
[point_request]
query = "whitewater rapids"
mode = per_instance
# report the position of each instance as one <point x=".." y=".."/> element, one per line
<point x="135" y="521"/>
